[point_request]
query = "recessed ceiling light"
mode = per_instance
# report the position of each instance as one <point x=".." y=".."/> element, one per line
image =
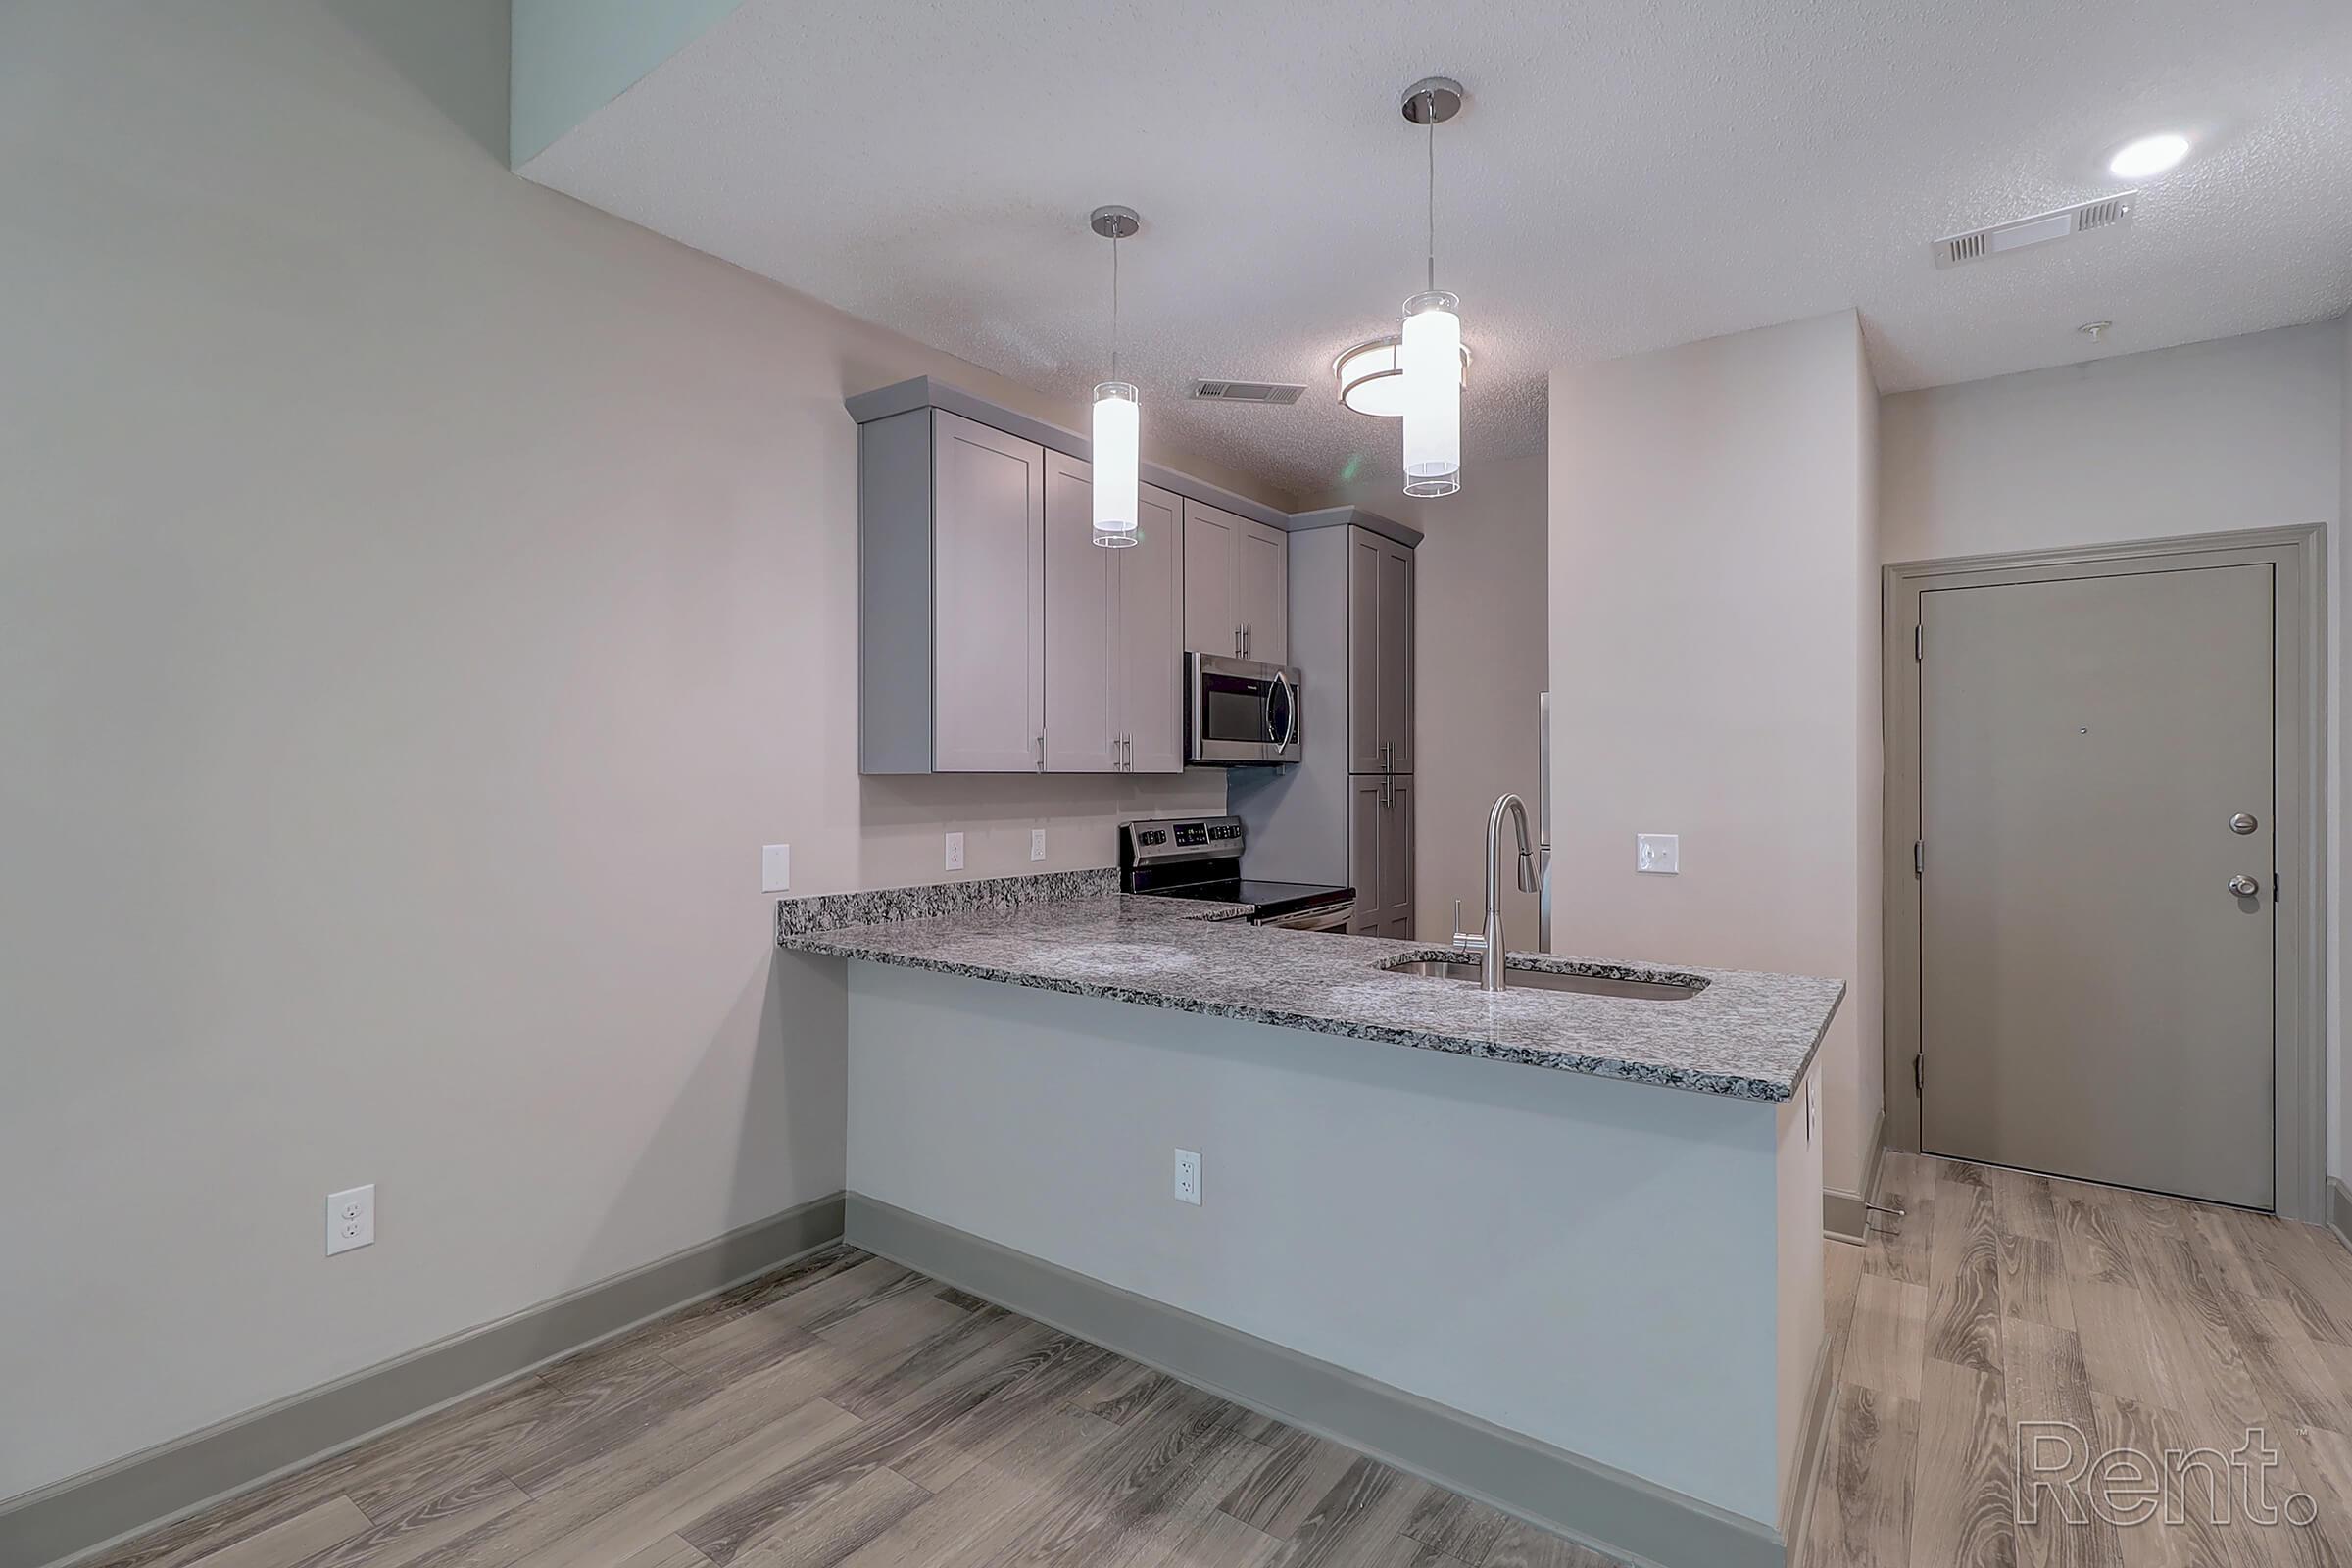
<point x="2150" y="155"/>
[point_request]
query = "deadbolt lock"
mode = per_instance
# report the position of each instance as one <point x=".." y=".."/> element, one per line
<point x="2245" y="887"/>
<point x="2242" y="823"/>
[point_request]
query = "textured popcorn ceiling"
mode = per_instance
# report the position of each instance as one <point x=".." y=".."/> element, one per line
<point x="1624" y="177"/>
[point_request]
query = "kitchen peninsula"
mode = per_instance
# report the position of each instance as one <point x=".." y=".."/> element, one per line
<point x="1620" y="1193"/>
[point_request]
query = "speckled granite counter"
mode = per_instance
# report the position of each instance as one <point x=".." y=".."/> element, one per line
<point x="1743" y="1035"/>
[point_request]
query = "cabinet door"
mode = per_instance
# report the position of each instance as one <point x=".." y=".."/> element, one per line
<point x="1366" y="816"/>
<point x="1211" y="543"/>
<point x="1151" y="636"/>
<point x="988" y="606"/>
<point x="1365" y="738"/>
<point x="1081" y="665"/>
<point x="1395" y="657"/>
<point x="1262" y="592"/>
<point x="1396" y="861"/>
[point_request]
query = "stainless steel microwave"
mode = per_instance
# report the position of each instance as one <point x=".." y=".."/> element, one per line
<point x="1238" y="711"/>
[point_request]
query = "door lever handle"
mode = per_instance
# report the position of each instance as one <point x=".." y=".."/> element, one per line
<point x="2245" y="887"/>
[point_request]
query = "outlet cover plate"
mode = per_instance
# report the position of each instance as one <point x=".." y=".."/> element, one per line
<point x="955" y="851"/>
<point x="1188" y="1177"/>
<point x="775" y="869"/>
<point x="1036" y="844"/>
<point x="350" y="1219"/>
<point x="1658" y="854"/>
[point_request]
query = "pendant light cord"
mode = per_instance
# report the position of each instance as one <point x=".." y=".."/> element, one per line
<point x="1431" y="99"/>
<point x="1115" y="303"/>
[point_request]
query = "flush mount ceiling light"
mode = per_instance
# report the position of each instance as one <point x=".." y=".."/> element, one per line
<point x="1117" y="427"/>
<point x="1372" y="381"/>
<point x="1429" y="350"/>
<point x="2150" y="155"/>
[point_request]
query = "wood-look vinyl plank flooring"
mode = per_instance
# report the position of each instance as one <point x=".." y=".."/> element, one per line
<point x="846" y="1410"/>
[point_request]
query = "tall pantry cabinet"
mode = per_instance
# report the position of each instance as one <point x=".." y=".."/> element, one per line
<point x="1344" y="813"/>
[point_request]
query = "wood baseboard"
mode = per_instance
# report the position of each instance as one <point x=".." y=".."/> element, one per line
<point x="2340" y="1210"/>
<point x="98" y="1507"/>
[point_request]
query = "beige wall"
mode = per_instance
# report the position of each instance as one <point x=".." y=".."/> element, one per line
<point x="1478" y="664"/>
<point x="2244" y="433"/>
<point x="1712" y="595"/>
<point x="421" y="597"/>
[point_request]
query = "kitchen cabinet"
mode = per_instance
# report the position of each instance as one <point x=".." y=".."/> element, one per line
<point x="1345" y="813"/>
<point x="955" y="675"/>
<point x="1235" y="585"/>
<point x="1113" y="649"/>
<point x="1379" y="845"/>
<point x="992" y="635"/>
<point x="1380" y="654"/>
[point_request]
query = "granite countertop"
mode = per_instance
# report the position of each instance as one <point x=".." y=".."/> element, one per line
<point x="1744" y="1035"/>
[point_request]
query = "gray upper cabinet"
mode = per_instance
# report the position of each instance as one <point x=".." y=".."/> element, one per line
<point x="994" y="636"/>
<point x="1235" y="585"/>
<point x="1380" y="654"/>
<point x="1115" y="657"/>
<point x="951" y="569"/>
<point x="1150" y="635"/>
<point x="1262" y="592"/>
<point x="1082" y="669"/>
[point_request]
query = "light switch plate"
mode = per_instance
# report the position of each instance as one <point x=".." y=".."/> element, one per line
<point x="1036" y="844"/>
<point x="350" y="1219"/>
<point x="955" y="851"/>
<point x="775" y="869"/>
<point x="1658" y="854"/>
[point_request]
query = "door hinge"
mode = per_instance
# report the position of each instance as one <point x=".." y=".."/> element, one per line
<point x="1919" y="858"/>
<point x="2274" y="886"/>
<point x="1916" y="657"/>
<point x="1919" y="1075"/>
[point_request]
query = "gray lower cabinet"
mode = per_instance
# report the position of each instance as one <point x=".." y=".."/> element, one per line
<point x="1113" y="633"/>
<point x="1235" y="585"/>
<point x="1380" y="851"/>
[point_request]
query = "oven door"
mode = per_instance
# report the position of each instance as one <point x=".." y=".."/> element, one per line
<point x="1333" y="917"/>
<point x="1238" y="711"/>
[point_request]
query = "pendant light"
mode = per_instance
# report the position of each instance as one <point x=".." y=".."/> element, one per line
<point x="1117" y="427"/>
<point x="1430" y="353"/>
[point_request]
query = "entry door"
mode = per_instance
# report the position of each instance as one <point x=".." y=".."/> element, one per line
<point x="2095" y="934"/>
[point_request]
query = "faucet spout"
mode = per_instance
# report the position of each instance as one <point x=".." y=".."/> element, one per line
<point x="1491" y="968"/>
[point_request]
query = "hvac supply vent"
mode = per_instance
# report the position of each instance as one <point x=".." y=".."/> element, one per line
<point x="2107" y="212"/>
<point x="1247" y="391"/>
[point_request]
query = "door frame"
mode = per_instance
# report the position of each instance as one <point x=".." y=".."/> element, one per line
<point x="2299" y="971"/>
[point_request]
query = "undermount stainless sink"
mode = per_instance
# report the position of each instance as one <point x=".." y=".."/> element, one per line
<point x="1517" y="976"/>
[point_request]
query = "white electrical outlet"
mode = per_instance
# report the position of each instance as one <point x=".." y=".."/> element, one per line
<point x="776" y="867"/>
<point x="1036" y="844"/>
<point x="350" y="1219"/>
<point x="955" y="851"/>
<point x="1188" y="1177"/>
<point x="1658" y="854"/>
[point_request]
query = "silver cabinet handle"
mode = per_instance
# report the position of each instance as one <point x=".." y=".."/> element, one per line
<point x="1040" y="754"/>
<point x="1127" y="753"/>
<point x="2245" y="887"/>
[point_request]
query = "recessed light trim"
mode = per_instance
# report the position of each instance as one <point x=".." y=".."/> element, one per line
<point x="2150" y="155"/>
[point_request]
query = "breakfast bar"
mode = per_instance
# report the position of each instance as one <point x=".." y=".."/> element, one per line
<point x="1617" y="1186"/>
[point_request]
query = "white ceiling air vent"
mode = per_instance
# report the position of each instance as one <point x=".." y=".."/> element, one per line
<point x="1247" y="391"/>
<point x="2081" y="219"/>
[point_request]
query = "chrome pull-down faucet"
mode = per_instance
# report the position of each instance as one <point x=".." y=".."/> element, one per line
<point x="1491" y="948"/>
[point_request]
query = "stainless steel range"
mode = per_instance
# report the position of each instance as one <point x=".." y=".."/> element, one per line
<point x="1201" y="857"/>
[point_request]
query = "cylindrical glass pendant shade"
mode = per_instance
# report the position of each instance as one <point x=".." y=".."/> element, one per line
<point x="1431" y="357"/>
<point x="1118" y="454"/>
